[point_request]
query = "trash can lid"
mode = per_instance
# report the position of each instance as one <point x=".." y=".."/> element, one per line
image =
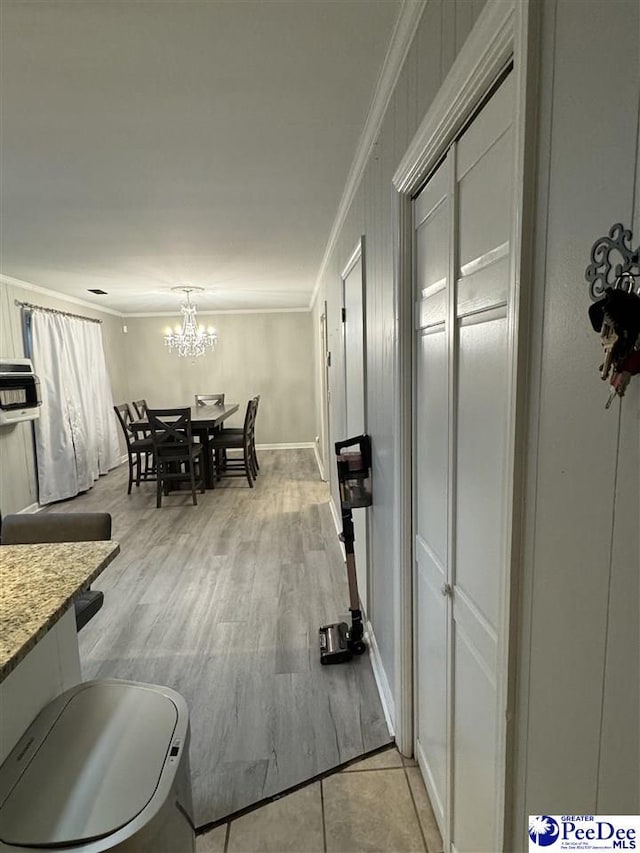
<point x="96" y="768"/>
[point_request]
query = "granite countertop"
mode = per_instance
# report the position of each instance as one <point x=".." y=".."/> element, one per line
<point x="37" y="585"/>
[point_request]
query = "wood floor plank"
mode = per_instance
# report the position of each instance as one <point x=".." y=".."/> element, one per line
<point x="222" y="602"/>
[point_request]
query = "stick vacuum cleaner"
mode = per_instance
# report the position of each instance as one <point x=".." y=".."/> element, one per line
<point x="340" y="642"/>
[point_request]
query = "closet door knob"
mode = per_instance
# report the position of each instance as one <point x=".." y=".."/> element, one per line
<point x="446" y="589"/>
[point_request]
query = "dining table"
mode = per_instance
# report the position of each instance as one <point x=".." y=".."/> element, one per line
<point x="205" y="422"/>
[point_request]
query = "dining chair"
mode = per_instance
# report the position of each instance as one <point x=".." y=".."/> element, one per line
<point x="254" y="455"/>
<point x="177" y="455"/>
<point x="137" y="448"/>
<point x="140" y="408"/>
<point x="236" y="440"/>
<point x="239" y="431"/>
<point x="30" y="529"/>
<point x="209" y="399"/>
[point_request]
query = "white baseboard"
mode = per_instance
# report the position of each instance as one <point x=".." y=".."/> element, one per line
<point x="296" y="445"/>
<point x="386" y="696"/>
<point x="35" y="507"/>
<point x="319" y="462"/>
<point x="335" y="515"/>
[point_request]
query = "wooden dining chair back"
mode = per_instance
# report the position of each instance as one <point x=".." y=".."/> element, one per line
<point x="140" y="408"/>
<point x="236" y="440"/>
<point x="177" y="455"/>
<point x="255" y="467"/>
<point x="254" y="455"/>
<point x="138" y="448"/>
<point x="209" y="399"/>
<point x="31" y="529"/>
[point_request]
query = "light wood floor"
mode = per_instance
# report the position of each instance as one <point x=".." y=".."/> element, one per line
<point x="222" y="602"/>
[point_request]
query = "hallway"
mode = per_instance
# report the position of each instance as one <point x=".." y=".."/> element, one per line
<point x="222" y="602"/>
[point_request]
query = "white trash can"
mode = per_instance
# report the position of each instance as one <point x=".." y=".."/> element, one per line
<point x="105" y="766"/>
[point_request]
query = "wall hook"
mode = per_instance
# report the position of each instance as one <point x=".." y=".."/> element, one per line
<point x="613" y="263"/>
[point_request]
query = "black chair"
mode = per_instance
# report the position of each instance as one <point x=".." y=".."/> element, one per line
<point x="236" y="440"/>
<point x="177" y="455"/>
<point x="62" y="527"/>
<point x="209" y="399"/>
<point x="239" y="431"/>
<point x="140" y="408"/>
<point x="137" y="448"/>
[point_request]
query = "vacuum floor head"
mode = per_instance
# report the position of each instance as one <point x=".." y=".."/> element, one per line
<point x="334" y="643"/>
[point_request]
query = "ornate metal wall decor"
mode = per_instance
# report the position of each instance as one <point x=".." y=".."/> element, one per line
<point x="613" y="263"/>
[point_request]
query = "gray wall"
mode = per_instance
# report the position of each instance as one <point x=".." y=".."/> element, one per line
<point x="578" y="663"/>
<point x="270" y="354"/>
<point x="17" y="468"/>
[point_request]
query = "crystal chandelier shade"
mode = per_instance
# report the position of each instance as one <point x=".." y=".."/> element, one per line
<point x="191" y="340"/>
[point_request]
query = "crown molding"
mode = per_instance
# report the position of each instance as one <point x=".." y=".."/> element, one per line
<point x="213" y="312"/>
<point x="487" y="49"/>
<point x="57" y="294"/>
<point x="401" y="38"/>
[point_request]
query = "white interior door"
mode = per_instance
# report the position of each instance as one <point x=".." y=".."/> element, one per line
<point x="355" y="399"/>
<point x="463" y="350"/>
<point x="432" y="215"/>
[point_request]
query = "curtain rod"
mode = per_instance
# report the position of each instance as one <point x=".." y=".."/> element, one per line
<point x="32" y="307"/>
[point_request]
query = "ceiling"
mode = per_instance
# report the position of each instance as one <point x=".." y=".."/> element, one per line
<point x="152" y="144"/>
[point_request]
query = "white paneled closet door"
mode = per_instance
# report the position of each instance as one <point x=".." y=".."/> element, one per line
<point x="432" y="217"/>
<point x="461" y="402"/>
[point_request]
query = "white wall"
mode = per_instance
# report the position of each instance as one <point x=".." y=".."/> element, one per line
<point x="439" y="37"/>
<point x="578" y="663"/>
<point x="575" y="730"/>
<point x="17" y="466"/>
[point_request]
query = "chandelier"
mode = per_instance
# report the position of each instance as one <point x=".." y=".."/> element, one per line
<point x="191" y="340"/>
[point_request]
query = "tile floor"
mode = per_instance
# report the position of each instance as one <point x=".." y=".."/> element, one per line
<point x="378" y="804"/>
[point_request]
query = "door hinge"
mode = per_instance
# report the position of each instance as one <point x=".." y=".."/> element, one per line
<point x="344" y="315"/>
<point x="328" y="359"/>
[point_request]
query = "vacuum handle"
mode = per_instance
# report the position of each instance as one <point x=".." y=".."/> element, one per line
<point x="364" y="444"/>
<point x="349" y="442"/>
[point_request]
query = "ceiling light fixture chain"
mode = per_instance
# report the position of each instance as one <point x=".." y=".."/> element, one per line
<point x="191" y="340"/>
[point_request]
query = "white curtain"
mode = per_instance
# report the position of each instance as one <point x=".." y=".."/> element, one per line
<point x="76" y="435"/>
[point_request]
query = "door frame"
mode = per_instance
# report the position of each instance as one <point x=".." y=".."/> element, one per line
<point x="324" y="392"/>
<point x="504" y="32"/>
<point x="358" y="254"/>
